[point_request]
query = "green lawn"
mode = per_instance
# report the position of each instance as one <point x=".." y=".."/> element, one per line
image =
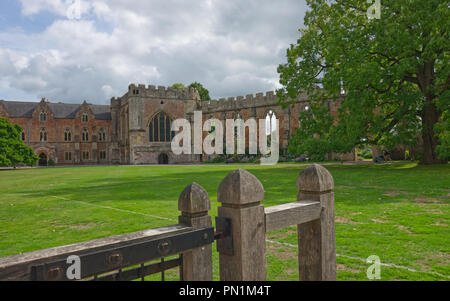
<point x="400" y="213"/>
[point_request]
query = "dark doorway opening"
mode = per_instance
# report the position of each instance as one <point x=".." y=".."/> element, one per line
<point x="163" y="159"/>
<point x="43" y="160"/>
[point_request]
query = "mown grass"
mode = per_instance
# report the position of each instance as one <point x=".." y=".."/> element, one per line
<point x="400" y="213"/>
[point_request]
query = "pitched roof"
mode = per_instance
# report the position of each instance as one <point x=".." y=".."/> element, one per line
<point x="20" y="109"/>
<point x="101" y="112"/>
<point x="60" y="110"/>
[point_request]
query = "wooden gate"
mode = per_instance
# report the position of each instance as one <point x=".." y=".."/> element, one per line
<point x="241" y="227"/>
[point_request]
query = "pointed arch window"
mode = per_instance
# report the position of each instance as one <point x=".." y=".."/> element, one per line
<point x="85" y="135"/>
<point x="67" y="135"/>
<point x="43" y="135"/>
<point x="271" y="122"/>
<point x="160" y="129"/>
<point x="237" y="116"/>
<point x="85" y="117"/>
<point x="102" y="135"/>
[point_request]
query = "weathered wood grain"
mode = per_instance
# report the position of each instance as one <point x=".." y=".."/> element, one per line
<point x="18" y="267"/>
<point x="317" y="239"/>
<point x="194" y="203"/>
<point x="240" y="194"/>
<point x="286" y="215"/>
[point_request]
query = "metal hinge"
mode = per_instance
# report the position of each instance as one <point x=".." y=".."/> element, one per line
<point x="224" y="236"/>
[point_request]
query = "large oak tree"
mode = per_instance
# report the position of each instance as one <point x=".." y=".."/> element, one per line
<point x="392" y="73"/>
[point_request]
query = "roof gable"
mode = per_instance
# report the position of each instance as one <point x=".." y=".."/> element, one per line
<point x="43" y="107"/>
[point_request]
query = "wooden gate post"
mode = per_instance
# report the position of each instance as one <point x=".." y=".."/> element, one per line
<point x="194" y="203"/>
<point x="241" y="194"/>
<point x="316" y="239"/>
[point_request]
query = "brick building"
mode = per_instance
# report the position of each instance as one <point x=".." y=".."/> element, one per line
<point x="136" y="128"/>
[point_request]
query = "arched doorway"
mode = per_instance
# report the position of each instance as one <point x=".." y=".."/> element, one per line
<point x="43" y="160"/>
<point x="163" y="159"/>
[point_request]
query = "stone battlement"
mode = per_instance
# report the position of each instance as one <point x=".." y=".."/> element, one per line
<point x="162" y="92"/>
<point x="249" y="101"/>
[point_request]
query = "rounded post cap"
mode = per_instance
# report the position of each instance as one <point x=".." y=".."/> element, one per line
<point x="240" y="187"/>
<point x="194" y="199"/>
<point x="315" y="178"/>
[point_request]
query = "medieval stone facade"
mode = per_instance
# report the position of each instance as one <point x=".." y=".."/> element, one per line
<point x="136" y="128"/>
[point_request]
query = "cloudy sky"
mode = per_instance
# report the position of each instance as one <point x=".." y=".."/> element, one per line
<point x="69" y="51"/>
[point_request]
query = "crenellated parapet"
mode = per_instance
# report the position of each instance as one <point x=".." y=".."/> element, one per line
<point x="249" y="101"/>
<point x="162" y="92"/>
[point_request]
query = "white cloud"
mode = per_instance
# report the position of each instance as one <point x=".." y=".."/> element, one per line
<point x="67" y="8"/>
<point x="232" y="47"/>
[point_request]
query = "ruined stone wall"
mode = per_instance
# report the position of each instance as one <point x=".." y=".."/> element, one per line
<point x="257" y="106"/>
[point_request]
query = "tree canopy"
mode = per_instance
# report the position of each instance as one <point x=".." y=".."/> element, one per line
<point x="391" y="73"/>
<point x="204" y="93"/>
<point x="13" y="151"/>
<point x="178" y="86"/>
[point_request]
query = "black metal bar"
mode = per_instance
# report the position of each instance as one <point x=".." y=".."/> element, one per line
<point x="224" y="235"/>
<point x="140" y="272"/>
<point x="107" y="260"/>
<point x="162" y="272"/>
<point x="181" y="267"/>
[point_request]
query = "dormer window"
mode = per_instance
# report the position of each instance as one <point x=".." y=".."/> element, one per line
<point x="85" y="117"/>
<point x="43" y="117"/>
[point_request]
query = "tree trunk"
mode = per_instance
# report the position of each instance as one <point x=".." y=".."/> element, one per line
<point x="430" y="117"/>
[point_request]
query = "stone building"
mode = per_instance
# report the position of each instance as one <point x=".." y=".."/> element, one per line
<point x="63" y="133"/>
<point x="136" y="128"/>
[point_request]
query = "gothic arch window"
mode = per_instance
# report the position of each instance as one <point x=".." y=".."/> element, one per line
<point x="85" y="117"/>
<point x="85" y="135"/>
<point x="43" y="117"/>
<point x="237" y="116"/>
<point x="160" y="128"/>
<point x="213" y="125"/>
<point x="102" y="135"/>
<point x="43" y="135"/>
<point x="271" y="122"/>
<point x="67" y="135"/>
